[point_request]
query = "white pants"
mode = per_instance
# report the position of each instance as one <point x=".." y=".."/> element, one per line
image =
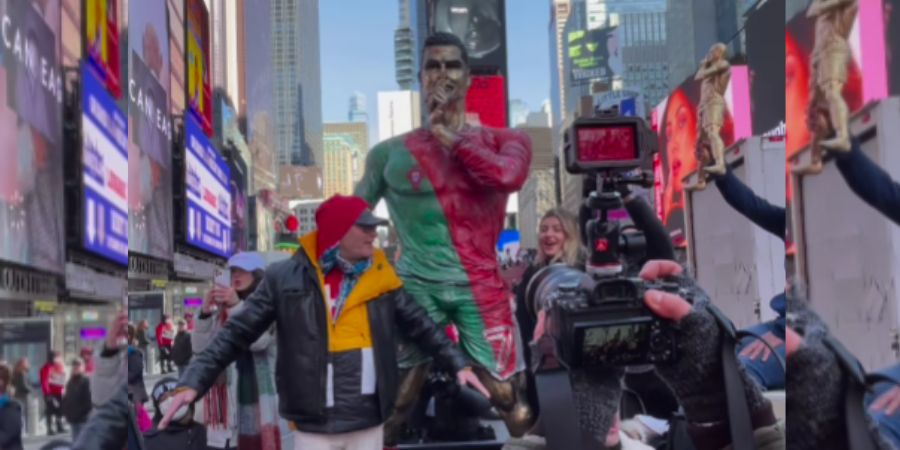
<point x="368" y="439"/>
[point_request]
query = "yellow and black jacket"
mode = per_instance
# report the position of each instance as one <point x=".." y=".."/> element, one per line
<point x="331" y="377"/>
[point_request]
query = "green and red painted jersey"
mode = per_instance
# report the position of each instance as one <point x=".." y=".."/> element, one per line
<point x="449" y="206"/>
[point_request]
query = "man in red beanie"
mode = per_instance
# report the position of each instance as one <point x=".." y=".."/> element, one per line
<point x="337" y="305"/>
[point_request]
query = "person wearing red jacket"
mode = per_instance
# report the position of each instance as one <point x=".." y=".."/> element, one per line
<point x="53" y="382"/>
<point x="165" y="337"/>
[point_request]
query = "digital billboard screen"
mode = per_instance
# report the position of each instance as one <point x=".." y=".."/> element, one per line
<point x="480" y="24"/>
<point x="197" y="48"/>
<point x="104" y="132"/>
<point x="101" y="42"/>
<point x="31" y="151"/>
<point x="765" y="59"/>
<point x="208" y="205"/>
<point x="595" y="54"/>
<point x="150" y="228"/>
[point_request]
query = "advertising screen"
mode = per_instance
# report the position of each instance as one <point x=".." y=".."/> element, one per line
<point x="765" y="59"/>
<point x="101" y="42"/>
<point x="480" y="24"/>
<point x="594" y="54"/>
<point x="486" y="101"/>
<point x="199" y="85"/>
<point x="677" y="119"/>
<point x="104" y="132"/>
<point x="31" y="151"/>
<point x="207" y="181"/>
<point x="150" y="230"/>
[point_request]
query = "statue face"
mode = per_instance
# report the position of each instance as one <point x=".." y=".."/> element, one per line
<point x="443" y="70"/>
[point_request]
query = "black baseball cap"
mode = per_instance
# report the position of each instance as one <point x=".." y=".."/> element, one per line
<point x="367" y="219"/>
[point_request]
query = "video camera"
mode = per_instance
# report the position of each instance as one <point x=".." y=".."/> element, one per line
<point x="598" y="317"/>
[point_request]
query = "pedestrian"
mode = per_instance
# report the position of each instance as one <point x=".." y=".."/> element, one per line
<point x="337" y="305"/>
<point x="76" y="403"/>
<point x="181" y="349"/>
<point x="53" y="383"/>
<point x="22" y="386"/>
<point x="137" y="390"/>
<point x="250" y="421"/>
<point x="142" y="341"/>
<point x="183" y="433"/>
<point x="87" y="355"/>
<point x="165" y="335"/>
<point x="189" y="321"/>
<point x="10" y="414"/>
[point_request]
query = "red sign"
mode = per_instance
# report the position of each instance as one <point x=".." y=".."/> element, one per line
<point x="101" y="43"/>
<point x="486" y="100"/>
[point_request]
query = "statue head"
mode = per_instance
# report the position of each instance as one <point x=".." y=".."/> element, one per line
<point x="445" y="68"/>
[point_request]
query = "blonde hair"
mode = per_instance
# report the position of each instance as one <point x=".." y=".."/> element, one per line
<point x="571" y="249"/>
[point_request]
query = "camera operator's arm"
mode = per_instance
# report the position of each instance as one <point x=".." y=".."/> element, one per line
<point x="505" y="169"/>
<point x="816" y="385"/>
<point x="870" y="182"/>
<point x="696" y="378"/>
<point x="659" y="244"/>
<point x="764" y="214"/>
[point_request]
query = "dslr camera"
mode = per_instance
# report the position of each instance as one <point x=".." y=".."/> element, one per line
<point x="597" y="317"/>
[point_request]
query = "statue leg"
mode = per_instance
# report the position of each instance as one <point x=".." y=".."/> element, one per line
<point x="511" y="400"/>
<point x="839" y="114"/>
<point x="411" y="383"/>
<point x="717" y="149"/>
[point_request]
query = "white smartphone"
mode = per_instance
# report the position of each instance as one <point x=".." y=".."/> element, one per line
<point x="223" y="278"/>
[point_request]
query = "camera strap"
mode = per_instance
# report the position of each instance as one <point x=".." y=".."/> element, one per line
<point x="561" y="425"/>
<point x="858" y="434"/>
<point x="739" y="422"/>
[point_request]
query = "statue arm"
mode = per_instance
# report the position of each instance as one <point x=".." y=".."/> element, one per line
<point x="707" y="71"/>
<point x="371" y="186"/>
<point x="817" y="8"/>
<point x="506" y="169"/>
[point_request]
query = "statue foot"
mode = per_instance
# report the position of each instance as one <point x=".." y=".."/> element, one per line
<point x="836" y="144"/>
<point x="814" y="168"/>
<point x="698" y="186"/>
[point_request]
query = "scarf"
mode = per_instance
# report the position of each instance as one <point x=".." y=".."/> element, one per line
<point x="244" y="399"/>
<point x="331" y="260"/>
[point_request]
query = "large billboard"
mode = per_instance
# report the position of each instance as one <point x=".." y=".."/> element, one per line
<point x="31" y="151"/>
<point x="150" y="230"/>
<point x="101" y="42"/>
<point x="104" y="156"/>
<point x="197" y="51"/>
<point x="300" y="182"/>
<point x="872" y="73"/>
<point x="594" y="54"/>
<point x="675" y="120"/>
<point x="765" y="59"/>
<point x="207" y="182"/>
<point x="480" y="24"/>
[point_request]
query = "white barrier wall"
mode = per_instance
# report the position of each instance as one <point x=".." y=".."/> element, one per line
<point x="740" y="265"/>
<point x="849" y="254"/>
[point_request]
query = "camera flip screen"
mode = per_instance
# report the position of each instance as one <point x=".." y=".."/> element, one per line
<point x="600" y="343"/>
<point x="607" y="144"/>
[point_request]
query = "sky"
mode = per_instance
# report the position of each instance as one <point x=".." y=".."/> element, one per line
<point x="357" y="51"/>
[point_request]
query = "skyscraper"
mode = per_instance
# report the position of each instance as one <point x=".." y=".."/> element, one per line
<point x="701" y="24"/>
<point x="398" y="113"/>
<point x="296" y="80"/>
<point x="641" y="35"/>
<point x="405" y="51"/>
<point x="518" y="112"/>
<point x="358" y="112"/>
<point x="338" y="166"/>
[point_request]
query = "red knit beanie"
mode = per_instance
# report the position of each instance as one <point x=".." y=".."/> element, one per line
<point x="334" y="218"/>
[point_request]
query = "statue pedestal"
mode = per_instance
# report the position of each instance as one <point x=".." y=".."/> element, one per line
<point x="848" y="254"/>
<point x="740" y="265"/>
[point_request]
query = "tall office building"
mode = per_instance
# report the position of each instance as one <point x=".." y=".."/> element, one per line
<point x="296" y="80"/>
<point x="358" y="111"/>
<point x="257" y="89"/>
<point x="398" y="113"/>
<point x="518" y="112"/>
<point x="700" y="24"/>
<point x="338" y="166"/>
<point x="405" y="51"/>
<point x="357" y="135"/>
<point x="537" y="195"/>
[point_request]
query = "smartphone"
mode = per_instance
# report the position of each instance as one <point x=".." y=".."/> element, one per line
<point x="222" y="278"/>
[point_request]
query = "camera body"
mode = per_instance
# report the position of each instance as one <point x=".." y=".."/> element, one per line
<point x="598" y="317"/>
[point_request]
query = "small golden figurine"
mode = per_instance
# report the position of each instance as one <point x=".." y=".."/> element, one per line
<point x="714" y="73"/>
<point x="830" y="57"/>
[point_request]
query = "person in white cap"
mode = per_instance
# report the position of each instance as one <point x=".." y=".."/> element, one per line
<point x="228" y="416"/>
